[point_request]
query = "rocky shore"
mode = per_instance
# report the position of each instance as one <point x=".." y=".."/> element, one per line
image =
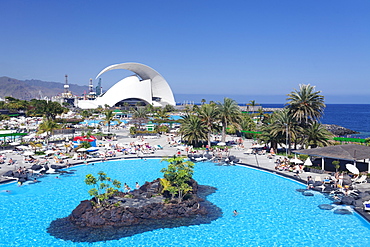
<point x="339" y="130"/>
<point x="131" y="213"/>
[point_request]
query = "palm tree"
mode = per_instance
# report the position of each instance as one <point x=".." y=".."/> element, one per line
<point x="110" y="117"/>
<point x="161" y="113"/>
<point x="284" y="124"/>
<point x="228" y="113"/>
<point x="208" y="115"/>
<point x="139" y="116"/>
<point x="193" y="129"/>
<point x="203" y="101"/>
<point x="306" y="104"/>
<point x="47" y="126"/>
<point x="252" y="104"/>
<point x="316" y="135"/>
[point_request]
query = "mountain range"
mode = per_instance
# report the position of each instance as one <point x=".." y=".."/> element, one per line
<point x="35" y="89"/>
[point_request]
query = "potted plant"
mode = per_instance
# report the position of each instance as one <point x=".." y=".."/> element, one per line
<point x="336" y="165"/>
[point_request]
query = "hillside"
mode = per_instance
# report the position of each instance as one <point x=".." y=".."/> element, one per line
<point x="31" y="89"/>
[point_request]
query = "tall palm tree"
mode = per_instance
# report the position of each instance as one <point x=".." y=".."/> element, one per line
<point x="208" y="115"/>
<point x="284" y="124"/>
<point x="316" y="135"/>
<point x="139" y="116"/>
<point x="228" y="113"/>
<point x="252" y="103"/>
<point x="203" y="101"/>
<point x="193" y="129"/>
<point x="306" y="104"/>
<point x="110" y="117"/>
<point x="47" y="126"/>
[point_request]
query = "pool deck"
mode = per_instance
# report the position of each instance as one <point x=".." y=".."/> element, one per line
<point x="255" y="161"/>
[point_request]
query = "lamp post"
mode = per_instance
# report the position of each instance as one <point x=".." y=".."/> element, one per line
<point x="286" y="140"/>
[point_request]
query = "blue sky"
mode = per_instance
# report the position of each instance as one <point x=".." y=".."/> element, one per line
<point x="253" y="48"/>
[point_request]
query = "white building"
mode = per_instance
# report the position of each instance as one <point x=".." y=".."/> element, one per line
<point x="146" y="85"/>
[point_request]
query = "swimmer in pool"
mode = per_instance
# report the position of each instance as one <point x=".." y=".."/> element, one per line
<point x="235" y="213"/>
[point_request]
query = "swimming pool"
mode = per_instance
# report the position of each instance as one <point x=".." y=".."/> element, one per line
<point x="271" y="211"/>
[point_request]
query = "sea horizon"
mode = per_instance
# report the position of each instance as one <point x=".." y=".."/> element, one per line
<point x="266" y="99"/>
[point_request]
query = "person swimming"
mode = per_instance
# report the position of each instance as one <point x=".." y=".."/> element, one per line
<point x="235" y="212"/>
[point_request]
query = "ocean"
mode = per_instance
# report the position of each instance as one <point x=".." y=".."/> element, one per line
<point x="352" y="116"/>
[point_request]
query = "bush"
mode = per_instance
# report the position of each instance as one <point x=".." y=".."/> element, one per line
<point x="303" y="156"/>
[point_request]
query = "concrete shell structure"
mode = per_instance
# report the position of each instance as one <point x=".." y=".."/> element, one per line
<point x="147" y="85"/>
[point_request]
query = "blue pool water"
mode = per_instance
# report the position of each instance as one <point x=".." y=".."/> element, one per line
<point x="271" y="212"/>
<point x="94" y="122"/>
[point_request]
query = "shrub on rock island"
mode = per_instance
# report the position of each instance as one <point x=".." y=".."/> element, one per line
<point x="102" y="186"/>
<point x="177" y="177"/>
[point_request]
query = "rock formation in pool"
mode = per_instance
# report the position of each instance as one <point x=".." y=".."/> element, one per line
<point x="136" y="207"/>
<point x="173" y="201"/>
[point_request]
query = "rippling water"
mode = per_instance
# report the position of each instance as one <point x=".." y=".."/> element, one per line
<point x="271" y="211"/>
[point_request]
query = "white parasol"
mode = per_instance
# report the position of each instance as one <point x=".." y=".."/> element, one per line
<point x="297" y="161"/>
<point x="308" y="162"/>
<point x="81" y="150"/>
<point x="28" y="153"/>
<point x="49" y="151"/>
<point x="258" y="146"/>
<point x="22" y="147"/>
<point x="352" y="169"/>
<point x="221" y="144"/>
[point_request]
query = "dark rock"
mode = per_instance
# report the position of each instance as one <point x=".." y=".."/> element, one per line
<point x="342" y="211"/>
<point x="8" y="174"/>
<point x="307" y="193"/>
<point x="358" y="203"/>
<point x="57" y="167"/>
<point x="326" y="206"/>
<point x="347" y="200"/>
<point x="366" y="198"/>
<point x="301" y="190"/>
<point x="339" y="130"/>
<point x="363" y="194"/>
<point x="82" y="208"/>
<point x="317" y="183"/>
<point x="36" y="167"/>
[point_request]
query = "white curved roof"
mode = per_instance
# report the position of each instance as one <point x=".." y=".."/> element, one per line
<point x="129" y="87"/>
<point x="158" y="86"/>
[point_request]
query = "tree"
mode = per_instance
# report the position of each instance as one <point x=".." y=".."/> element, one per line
<point x="85" y="114"/>
<point x="208" y="115"/>
<point x="35" y="145"/>
<point x="283" y="124"/>
<point x="139" y="116"/>
<point x="252" y="104"/>
<point x="169" y="108"/>
<point x="161" y="113"/>
<point x="177" y="176"/>
<point x="316" y="135"/>
<point x="48" y="109"/>
<point x="110" y="117"/>
<point x="203" y="101"/>
<point x="193" y="129"/>
<point x="228" y="113"/>
<point x="47" y="126"/>
<point x="103" y="186"/>
<point x="306" y="104"/>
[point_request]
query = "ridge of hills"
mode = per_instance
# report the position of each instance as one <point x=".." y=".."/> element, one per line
<point x="35" y="89"/>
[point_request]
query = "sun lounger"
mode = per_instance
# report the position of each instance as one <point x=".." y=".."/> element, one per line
<point x="158" y="147"/>
<point x="366" y="206"/>
<point x="360" y="180"/>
